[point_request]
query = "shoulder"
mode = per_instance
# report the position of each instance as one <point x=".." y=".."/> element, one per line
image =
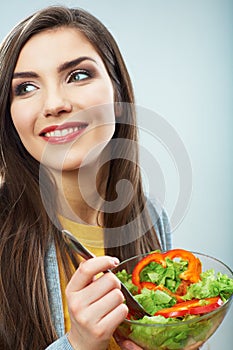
<point x="160" y="221"/>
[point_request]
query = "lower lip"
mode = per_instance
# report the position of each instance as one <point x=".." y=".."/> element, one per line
<point x="64" y="139"/>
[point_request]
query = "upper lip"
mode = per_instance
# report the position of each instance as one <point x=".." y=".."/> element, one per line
<point x="62" y="127"/>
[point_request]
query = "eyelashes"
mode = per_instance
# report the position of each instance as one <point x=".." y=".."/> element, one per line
<point x="79" y="75"/>
<point x="75" y="76"/>
<point x="24" y="88"/>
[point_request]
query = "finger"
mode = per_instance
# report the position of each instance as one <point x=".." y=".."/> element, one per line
<point x="93" y="315"/>
<point x="112" y="320"/>
<point x="99" y="288"/>
<point x="123" y="343"/>
<point x="106" y="304"/>
<point x="129" y="345"/>
<point x="85" y="298"/>
<point x="88" y="269"/>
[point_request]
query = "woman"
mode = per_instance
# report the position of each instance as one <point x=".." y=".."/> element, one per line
<point x="67" y="115"/>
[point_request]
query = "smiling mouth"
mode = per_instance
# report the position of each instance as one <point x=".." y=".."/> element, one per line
<point x="63" y="133"/>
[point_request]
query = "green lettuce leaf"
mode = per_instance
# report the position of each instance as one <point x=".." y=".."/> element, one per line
<point x="169" y="276"/>
<point x="152" y="301"/>
<point x="126" y="278"/>
<point x="211" y="285"/>
<point x="170" y="338"/>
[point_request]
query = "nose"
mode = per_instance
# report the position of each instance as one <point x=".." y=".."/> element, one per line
<point x="56" y="103"/>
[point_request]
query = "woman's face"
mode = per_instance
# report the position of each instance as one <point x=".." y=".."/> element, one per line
<point x="62" y="99"/>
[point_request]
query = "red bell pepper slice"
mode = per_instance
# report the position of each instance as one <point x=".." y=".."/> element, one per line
<point x="192" y="307"/>
<point x="153" y="286"/>
<point x="156" y="257"/>
<point x="192" y="274"/>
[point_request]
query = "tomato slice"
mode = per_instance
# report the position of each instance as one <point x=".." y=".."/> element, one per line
<point x="192" y="307"/>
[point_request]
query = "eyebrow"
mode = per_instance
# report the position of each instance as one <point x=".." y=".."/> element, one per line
<point x="61" y="68"/>
<point x="24" y="75"/>
<point x="73" y="63"/>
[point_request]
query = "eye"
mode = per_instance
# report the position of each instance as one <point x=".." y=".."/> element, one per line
<point x="24" y="88"/>
<point x="78" y="75"/>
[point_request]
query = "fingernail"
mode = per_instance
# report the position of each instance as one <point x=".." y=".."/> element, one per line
<point x="115" y="261"/>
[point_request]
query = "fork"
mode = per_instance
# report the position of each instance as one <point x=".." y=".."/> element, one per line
<point x="134" y="307"/>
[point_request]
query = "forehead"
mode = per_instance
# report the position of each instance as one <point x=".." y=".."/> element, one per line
<point x="58" y="44"/>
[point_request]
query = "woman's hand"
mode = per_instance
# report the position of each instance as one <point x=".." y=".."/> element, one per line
<point x="95" y="304"/>
<point x="128" y="345"/>
<point x="125" y="344"/>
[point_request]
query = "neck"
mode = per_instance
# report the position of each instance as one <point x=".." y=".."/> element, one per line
<point x="81" y="194"/>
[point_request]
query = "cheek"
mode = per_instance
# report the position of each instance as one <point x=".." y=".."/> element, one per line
<point x="17" y="119"/>
<point x="22" y="120"/>
<point x="99" y="93"/>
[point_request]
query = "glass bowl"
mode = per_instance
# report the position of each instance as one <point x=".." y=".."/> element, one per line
<point x="186" y="335"/>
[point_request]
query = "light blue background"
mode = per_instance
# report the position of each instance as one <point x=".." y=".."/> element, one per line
<point x="180" y="57"/>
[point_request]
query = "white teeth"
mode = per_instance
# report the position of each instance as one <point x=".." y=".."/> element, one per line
<point x="57" y="133"/>
<point x="63" y="132"/>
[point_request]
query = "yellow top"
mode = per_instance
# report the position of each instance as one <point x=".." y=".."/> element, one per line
<point x="92" y="238"/>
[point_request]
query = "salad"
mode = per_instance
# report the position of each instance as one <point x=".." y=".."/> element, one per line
<point x="173" y="288"/>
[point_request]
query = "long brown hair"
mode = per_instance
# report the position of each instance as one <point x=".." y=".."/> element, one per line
<point x="26" y="229"/>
